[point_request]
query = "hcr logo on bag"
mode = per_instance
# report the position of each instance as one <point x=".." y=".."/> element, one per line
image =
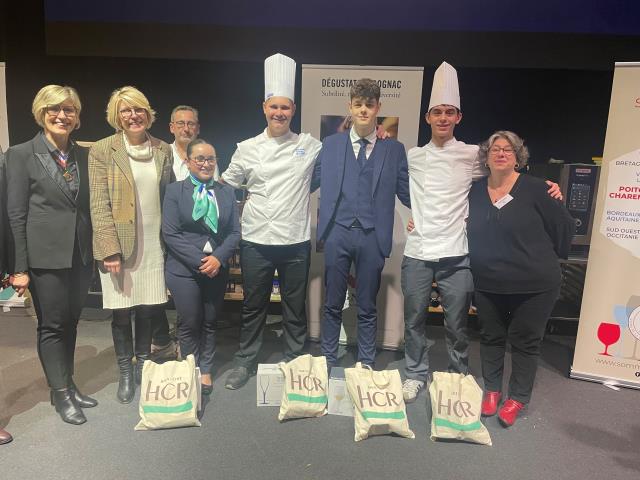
<point x="377" y="398"/>
<point x="307" y="383"/>
<point x="167" y="389"/>
<point x="460" y="408"/>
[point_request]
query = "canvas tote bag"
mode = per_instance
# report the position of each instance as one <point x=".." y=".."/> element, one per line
<point x="169" y="395"/>
<point x="378" y="404"/>
<point x="455" y="408"/>
<point x="305" y="387"/>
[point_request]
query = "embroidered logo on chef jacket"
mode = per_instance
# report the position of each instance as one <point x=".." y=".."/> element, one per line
<point x="299" y="152"/>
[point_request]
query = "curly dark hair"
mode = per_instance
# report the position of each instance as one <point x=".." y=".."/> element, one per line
<point x="365" y="88"/>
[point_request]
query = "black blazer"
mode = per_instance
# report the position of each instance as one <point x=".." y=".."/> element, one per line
<point x="45" y="219"/>
<point x="185" y="238"/>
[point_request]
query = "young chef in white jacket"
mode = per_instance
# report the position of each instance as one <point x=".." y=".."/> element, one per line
<point x="277" y="166"/>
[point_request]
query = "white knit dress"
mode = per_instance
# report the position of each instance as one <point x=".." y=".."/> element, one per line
<point x="141" y="278"/>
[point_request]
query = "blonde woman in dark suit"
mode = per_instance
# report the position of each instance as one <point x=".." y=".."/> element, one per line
<point x="48" y="210"/>
<point x="128" y="173"/>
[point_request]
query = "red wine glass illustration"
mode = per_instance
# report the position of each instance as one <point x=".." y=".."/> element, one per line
<point x="608" y="334"/>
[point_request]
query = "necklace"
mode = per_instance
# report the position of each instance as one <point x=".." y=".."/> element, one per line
<point x="496" y="193"/>
<point x="138" y="152"/>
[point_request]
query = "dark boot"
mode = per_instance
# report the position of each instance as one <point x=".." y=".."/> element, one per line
<point x="83" y="401"/>
<point x="143" y="322"/>
<point x="123" y="345"/>
<point x="66" y="406"/>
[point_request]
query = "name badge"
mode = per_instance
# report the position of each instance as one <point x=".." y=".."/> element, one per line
<point x="503" y="201"/>
<point x="299" y="152"/>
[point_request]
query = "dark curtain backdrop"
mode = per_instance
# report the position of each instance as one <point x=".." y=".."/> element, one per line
<point x="553" y="89"/>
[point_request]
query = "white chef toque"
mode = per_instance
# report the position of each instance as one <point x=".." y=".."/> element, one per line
<point x="445" y="89"/>
<point x="279" y="77"/>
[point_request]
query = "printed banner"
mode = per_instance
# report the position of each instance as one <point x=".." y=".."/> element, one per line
<point x="607" y="347"/>
<point x="325" y="96"/>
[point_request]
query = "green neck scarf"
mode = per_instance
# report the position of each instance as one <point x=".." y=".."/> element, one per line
<point x="204" y="204"/>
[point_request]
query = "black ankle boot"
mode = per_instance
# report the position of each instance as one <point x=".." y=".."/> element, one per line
<point x="66" y="406"/>
<point x="126" y="387"/>
<point x="83" y="401"/>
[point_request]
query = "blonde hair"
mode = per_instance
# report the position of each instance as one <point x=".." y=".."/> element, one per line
<point x="54" y="95"/>
<point x="134" y="98"/>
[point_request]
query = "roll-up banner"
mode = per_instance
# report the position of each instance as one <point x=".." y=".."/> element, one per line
<point x="325" y="96"/>
<point x="4" y="122"/>
<point x="608" y="341"/>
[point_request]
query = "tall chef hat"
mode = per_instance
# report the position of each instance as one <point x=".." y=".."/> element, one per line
<point x="445" y="87"/>
<point x="279" y="77"/>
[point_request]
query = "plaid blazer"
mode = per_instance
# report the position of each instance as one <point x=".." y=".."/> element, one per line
<point x="113" y="199"/>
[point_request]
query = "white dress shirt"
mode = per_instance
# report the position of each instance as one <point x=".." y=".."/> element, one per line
<point x="278" y="173"/>
<point x="439" y="180"/>
<point x="355" y="138"/>
<point x="180" y="168"/>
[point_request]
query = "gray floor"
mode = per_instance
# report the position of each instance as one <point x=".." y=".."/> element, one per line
<point x="572" y="430"/>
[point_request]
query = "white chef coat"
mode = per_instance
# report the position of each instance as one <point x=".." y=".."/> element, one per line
<point x="278" y="176"/>
<point x="180" y="168"/>
<point x="439" y="180"/>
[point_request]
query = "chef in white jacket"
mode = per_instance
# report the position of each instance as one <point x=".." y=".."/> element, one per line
<point x="277" y="166"/>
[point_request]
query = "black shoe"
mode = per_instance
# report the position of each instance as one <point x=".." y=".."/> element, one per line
<point x="207" y="389"/>
<point x="237" y="378"/>
<point x="83" y="401"/>
<point x="66" y="406"/>
<point x="126" y="385"/>
<point x="5" y="437"/>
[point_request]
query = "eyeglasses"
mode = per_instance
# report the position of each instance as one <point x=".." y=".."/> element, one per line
<point x="201" y="159"/>
<point x="506" y="150"/>
<point x="182" y="124"/>
<point x="127" y="112"/>
<point x="54" y="110"/>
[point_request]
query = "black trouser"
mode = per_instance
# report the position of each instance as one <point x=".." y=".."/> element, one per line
<point x="521" y="319"/>
<point x="198" y="300"/>
<point x="58" y="297"/>
<point x="160" y="330"/>
<point x="259" y="263"/>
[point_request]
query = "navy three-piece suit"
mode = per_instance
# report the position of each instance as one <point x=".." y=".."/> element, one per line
<point x="357" y="204"/>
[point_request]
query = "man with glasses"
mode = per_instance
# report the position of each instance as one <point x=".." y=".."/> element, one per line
<point x="185" y="127"/>
<point x="440" y="177"/>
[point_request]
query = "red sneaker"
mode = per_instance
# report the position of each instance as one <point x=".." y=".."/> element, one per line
<point x="509" y="411"/>
<point x="490" y="403"/>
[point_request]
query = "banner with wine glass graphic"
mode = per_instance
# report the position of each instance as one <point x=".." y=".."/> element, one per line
<point x="608" y="341"/>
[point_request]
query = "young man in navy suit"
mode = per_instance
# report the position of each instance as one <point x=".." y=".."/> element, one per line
<point x="360" y="176"/>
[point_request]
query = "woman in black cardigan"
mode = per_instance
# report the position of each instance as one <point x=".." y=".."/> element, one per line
<point x="48" y="211"/>
<point x="516" y="233"/>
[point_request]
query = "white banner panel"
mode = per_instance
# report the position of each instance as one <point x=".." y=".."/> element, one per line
<point x="325" y="95"/>
<point x="607" y="346"/>
<point x="4" y="121"/>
